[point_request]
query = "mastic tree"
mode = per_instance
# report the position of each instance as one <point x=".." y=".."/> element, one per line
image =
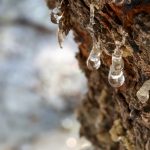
<point x="112" y="118"/>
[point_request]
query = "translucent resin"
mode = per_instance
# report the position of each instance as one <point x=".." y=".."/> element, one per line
<point x="56" y="15"/>
<point x="116" y="77"/>
<point x="93" y="62"/>
<point x="143" y="92"/>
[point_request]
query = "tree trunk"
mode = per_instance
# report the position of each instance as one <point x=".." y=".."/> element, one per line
<point x="113" y="118"/>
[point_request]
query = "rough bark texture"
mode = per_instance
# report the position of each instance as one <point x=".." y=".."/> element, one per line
<point x="113" y="118"/>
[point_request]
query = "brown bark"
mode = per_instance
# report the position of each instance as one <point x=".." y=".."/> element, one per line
<point x="113" y="118"/>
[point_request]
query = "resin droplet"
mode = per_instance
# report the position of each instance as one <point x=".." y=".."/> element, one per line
<point x="93" y="62"/>
<point x="61" y="36"/>
<point x="143" y="92"/>
<point x="143" y="96"/>
<point x="117" y="61"/>
<point x="115" y="77"/>
<point x="56" y="15"/>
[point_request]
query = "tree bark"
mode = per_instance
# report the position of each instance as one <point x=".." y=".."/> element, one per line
<point x="113" y="118"/>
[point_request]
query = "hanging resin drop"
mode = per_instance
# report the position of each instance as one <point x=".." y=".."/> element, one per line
<point x="116" y="78"/>
<point x="61" y="36"/>
<point x="93" y="61"/>
<point x="143" y="95"/>
<point x="56" y="15"/>
<point x="143" y="92"/>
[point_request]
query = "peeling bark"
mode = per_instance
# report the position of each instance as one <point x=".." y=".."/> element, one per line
<point x="113" y="118"/>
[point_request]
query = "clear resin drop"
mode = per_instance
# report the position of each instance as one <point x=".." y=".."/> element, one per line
<point x="93" y="62"/>
<point x="56" y="15"/>
<point x="143" y="92"/>
<point x="116" y="78"/>
<point x="143" y="95"/>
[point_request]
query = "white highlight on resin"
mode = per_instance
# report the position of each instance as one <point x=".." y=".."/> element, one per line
<point x="143" y="92"/>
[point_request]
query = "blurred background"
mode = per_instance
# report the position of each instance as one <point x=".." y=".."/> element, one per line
<point x="40" y="84"/>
